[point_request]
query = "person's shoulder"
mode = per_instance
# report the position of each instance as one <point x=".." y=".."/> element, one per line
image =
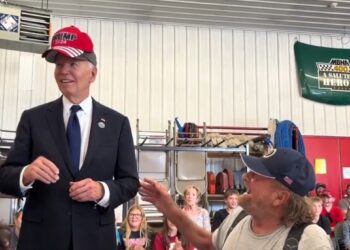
<point x="314" y="237"/>
<point x="44" y="106"/>
<point x="324" y="219"/>
<point x="342" y="200"/>
<point x="237" y="211"/>
<point x="37" y="112"/>
<point x="121" y="231"/>
<point x="343" y="203"/>
<point x="203" y="211"/>
<point x="151" y="231"/>
<point x="312" y="228"/>
<point x="222" y="210"/>
<point x="337" y="209"/>
<point x="158" y="236"/>
<point x="105" y="109"/>
<point x="221" y="213"/>
<point x="232" y="217"/>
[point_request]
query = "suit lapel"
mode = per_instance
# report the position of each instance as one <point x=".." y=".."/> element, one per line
<point x="97" y="124"/>
<point x="54" y="116"/>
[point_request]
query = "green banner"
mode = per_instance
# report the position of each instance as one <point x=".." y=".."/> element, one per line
<point x="324" y="73"/>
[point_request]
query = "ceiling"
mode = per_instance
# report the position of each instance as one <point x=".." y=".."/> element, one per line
<point x="324" y="16"/>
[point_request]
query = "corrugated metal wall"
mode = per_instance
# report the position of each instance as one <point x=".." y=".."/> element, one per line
<point x="156" y="72"/>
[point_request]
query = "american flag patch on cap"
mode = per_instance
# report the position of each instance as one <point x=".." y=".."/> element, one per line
<point x="288" y="180"/>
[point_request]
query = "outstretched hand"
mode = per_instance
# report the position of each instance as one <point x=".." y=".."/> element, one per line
<point x="157" y="194"/>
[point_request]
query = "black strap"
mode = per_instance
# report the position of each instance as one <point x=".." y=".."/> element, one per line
<point x="294" y="237"/>
<point x="239" y="217"/>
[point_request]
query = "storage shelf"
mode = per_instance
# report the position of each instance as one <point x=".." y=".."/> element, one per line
<point x="216" y="197"/>
<point x="192" y="149"/>
<point x="177" y="173"/>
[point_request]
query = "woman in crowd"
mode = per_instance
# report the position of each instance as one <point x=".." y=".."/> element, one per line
<point x="134" y="233"/>
<point x="169" y="238"/>
<point x="191" y="208"/>
<point x="198" y="214"/>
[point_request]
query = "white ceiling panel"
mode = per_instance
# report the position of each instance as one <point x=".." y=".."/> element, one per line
<point x="297" y="15"/>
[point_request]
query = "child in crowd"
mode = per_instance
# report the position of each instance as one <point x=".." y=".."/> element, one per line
<point x="332" y="212"/>
<point x="169" y="238"/>
<point x="319" y="219"/>
<point x="134" y="233"/>
<point x="231" y="202"/>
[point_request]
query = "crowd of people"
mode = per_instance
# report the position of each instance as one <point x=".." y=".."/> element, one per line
<point x="136" y="234"/>
<point x="335" y="217"/>
<point x="273" y="210"/>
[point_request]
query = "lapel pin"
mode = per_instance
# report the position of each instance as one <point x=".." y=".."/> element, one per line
<point x="101" y="123"/>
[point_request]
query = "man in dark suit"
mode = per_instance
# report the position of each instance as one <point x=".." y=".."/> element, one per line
<point x="71" y="192"/>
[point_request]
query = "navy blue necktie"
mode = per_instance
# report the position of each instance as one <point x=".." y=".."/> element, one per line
<point x="74" y="138"/>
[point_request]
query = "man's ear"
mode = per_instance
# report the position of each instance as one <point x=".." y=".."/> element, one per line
<point x="93" y="74"/>
<point x="280" y="197"/>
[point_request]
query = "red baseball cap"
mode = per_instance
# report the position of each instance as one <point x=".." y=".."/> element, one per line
<point x="326" y="193"/>
<point x="73" y="43"/>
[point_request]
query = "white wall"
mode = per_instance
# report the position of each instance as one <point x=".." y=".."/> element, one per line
<point x="156" y="72"/>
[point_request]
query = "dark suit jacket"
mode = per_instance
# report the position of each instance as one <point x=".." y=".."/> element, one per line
<point x="51" y="219"/>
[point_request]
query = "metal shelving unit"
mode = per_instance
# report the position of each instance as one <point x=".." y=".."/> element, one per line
<point x="6" y="141"/>
<point x="171" y="146"/>
<point x="192" y="149"/>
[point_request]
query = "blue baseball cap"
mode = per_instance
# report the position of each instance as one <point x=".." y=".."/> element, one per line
<point x="287" y="166"/>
